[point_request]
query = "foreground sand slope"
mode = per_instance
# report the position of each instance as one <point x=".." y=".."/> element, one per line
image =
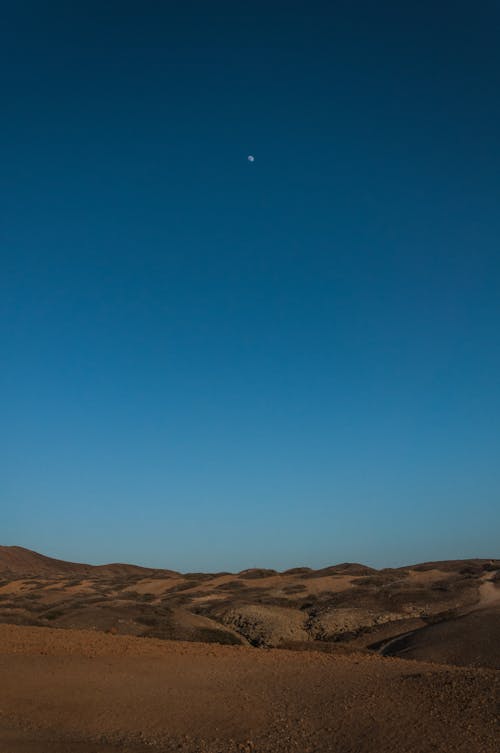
<point x="87" y="692"/>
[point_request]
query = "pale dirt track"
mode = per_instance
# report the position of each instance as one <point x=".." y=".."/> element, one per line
<point x="489" y="594"/>
<point x="86" y="692"/>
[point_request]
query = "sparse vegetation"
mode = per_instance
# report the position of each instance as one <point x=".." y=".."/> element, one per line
<point x="54" y="614"/>
<point x="255" y="605"/>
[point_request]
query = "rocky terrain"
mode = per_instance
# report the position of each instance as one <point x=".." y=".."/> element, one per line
<point x="124" y="659"/>
<point x="342" y="606"/>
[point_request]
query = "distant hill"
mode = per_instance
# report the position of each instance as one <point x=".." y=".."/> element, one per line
<point x="16" y="561"/>
<point x="438" y="611"/>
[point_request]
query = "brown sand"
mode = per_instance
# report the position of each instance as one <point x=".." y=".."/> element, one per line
<point x="72" y="691"/>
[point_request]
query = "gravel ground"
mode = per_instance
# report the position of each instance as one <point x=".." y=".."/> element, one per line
<point x="69" y="691"/>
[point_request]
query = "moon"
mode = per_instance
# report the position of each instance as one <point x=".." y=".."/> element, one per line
<point x="251" y="158"/>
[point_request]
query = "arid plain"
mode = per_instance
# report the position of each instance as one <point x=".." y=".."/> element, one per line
<point x="347" y="659"/>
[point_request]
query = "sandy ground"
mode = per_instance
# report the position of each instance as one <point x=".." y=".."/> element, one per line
<point x="75" y="691"/>
<point x="489" y="594"/>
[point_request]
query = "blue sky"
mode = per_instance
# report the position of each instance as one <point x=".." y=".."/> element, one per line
<point x="214" y="364"/>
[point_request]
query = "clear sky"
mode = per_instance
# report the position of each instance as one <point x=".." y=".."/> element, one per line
<point x="209" y="363"/>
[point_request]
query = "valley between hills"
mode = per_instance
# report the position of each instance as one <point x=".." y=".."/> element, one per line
<point x="346" y="659"/>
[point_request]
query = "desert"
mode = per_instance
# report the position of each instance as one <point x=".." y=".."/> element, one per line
<point x="346" y="659"/>
<point x="250" y="341"/>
